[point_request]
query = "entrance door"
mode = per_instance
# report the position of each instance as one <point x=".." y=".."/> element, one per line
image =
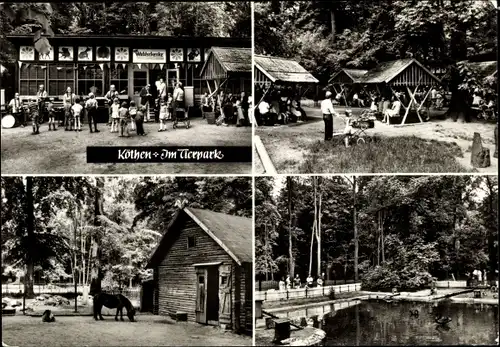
<point x="172" y="79"/>
<point x="225" y="300"/>
<point x="213" y="295"/>
<point x="201" y="295"/>
<point x="140" y="79"/>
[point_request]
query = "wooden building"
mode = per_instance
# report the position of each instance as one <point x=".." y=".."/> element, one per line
<point x="93" y="63"/>
<point x="274" y="72"/>
<point x="229" y="69"/>
<point x="346" y="81"/>
<point x="203" y="267"/>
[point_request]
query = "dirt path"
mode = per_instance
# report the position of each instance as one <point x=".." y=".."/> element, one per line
<point x="64" y="152"/>
<point x="440" y="130"/>
<point x="149" y="330"/>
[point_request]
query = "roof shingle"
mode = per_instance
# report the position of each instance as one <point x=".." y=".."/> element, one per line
<point x="283" y="70"/>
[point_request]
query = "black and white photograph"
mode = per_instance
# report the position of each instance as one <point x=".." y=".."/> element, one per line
<point x="127" y="261"/>
<point x="124" y="74"/>
<point x="376" y="260"/>
<point x="360" y="86"/>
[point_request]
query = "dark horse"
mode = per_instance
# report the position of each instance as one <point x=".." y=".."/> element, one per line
<point x="117" y="301"/>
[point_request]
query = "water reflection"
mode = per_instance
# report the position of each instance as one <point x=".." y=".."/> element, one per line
<point x="381" y="323"/>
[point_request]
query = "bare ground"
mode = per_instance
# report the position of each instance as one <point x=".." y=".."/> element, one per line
<point x="290" y="146"/>
<point x="64" y="152"/>
<point x="149" y="330"/>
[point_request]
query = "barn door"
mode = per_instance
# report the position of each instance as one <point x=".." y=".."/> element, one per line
<point x="225" y="297"/>
<point x="201" y="295"/>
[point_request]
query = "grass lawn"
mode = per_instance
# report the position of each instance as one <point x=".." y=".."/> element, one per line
<point x="63" y="152"/>
<point x="437" y="146"/>
<point x="149" y="330"/>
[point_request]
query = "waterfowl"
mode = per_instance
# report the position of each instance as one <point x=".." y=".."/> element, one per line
<point x="442" y="320"/>
<point x="414" y="313"/>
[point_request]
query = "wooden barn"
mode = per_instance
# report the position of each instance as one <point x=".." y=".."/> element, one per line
<point x="229" y="69"/>
<point x="203" y="268"/>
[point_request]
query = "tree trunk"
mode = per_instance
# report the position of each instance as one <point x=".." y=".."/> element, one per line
<point x="382" y="241"/>
<point x="291" y="262"/>
<point x="95" y="282"/>
<point x="318" y="234"/>
<point x="355" y="229"/>
<point x="312" y="246"/>
<point x="493" y="225"/>
<point x="333" y="25"/>
<point x="30" y="220"/>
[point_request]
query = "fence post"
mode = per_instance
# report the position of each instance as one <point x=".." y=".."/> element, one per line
<point x="306" y="291"/>
<point x="287" y="295"/>
<point x="323" y="290"/>
<point x="265" y="296"/>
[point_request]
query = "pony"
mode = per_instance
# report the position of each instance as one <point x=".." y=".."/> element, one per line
<point x="117" y="301"/>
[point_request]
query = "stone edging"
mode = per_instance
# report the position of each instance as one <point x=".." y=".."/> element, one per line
<point x="314" y="339"/>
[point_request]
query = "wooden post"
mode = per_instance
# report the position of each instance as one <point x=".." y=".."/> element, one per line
<point x="414" y="100"/>
<point x="281" y="330"/>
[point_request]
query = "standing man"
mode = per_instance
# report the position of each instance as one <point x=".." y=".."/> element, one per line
<point x="162" y="89"/>
<point x="91" y="107"/>
<point x="110" y="96"/>
<point x="328" y="112"/>
<point x="178" y="98"/>
<point x="16" y="107"/>
<point x="296" y="281"/>
<point x="145" y="95"/>
<point x="41" y="96"/>
<point x="68" y="102"/>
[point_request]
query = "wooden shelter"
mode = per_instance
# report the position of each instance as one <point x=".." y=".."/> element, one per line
<point x="350" y="77"/>
<point x="403" y="74"/>
<point x="203" y="269"/>
<point x="229" y="67"/>
<point x="271" y="71"/>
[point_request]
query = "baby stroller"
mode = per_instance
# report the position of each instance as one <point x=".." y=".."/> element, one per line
<point x="180" y="115"/>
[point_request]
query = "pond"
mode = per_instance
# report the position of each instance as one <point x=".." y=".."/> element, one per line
<point x="382" y="323"/>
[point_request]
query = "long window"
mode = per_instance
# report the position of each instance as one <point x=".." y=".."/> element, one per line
<point x="119" y="77"/>
<point x="90" y="79"/>
<point x="61" y="76"/>
<point x="30" y="78"/>
<point x="140" y="81"/>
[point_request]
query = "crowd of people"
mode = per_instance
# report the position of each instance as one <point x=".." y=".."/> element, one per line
<point x="280" y="107"/>
<point x="229" y="108"/>
<point x="287" y="283"/>
<point x="126" y="116"/>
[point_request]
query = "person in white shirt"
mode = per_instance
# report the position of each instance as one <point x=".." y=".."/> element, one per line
<point x="68" y="101"/>
<point x="264" y="109"/>
<point x="328" y="112"/>
<point x="15" y="105"/>
<point x="161" y="87"/>
<point x="77" y="109"/>
<point x="392" y="112"/>
<point x="309" y="279"/>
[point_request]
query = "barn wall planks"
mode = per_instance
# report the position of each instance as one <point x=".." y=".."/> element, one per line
<point x="177" y="276"/>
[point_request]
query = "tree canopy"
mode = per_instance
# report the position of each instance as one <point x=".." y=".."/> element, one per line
<point x="173" y="18"/>
<point x="410" y="228"/>
<point x="325" y="36"/>
<point x="67" y="231"/>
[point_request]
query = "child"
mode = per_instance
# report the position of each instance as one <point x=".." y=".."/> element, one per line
<point x="348" y="128"/>
<point x="115" y="115"/>
<point x="91" y="106"/>
<point x="163" y="115"/>
<point x="52" y="116"/>
<point x="139" y="120"/>
<point x="124" y="119"/>
<point x="77" y="109"/>
<point x="132" y="111"/>
<point x="170" y="110"/>
<point x="35" y="116"/>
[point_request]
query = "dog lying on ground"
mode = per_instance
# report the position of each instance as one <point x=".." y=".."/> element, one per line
<point x="48" y="317"/>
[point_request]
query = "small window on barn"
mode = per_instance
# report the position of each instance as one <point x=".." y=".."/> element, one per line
<point x="191" y="242"/>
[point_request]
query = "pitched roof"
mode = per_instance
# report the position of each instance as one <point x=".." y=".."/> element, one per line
<point x="284" y="70"/>
<point x="354" y="74"/>
<point x="386" y="71"/>
<point x="232" y="59"/>
<point x="232" y="233"/>
<point x="485" y="68"/>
